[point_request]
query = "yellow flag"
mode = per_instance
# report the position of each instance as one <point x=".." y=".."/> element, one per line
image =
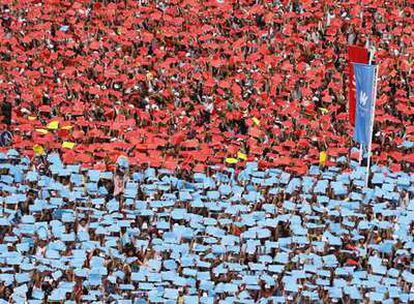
<point x="42" y="131"/>
<point x="241" y="156"/>
<point x="53" y="125"/>
<point x="67" y="127"/>
<point x="256" y="121"/>
<point x="32" y="118"/>
<point x="231" y="160"/>
<point x="322" y="158"/>
<point x="38" y="149"/>
<point x="324" y="110"/>
<point x="68" y="145"/>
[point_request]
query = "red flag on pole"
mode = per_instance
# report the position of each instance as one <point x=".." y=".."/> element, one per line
<point x="356" y="54"/>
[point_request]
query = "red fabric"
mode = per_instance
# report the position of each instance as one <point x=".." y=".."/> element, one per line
<point x="351" y="262"/>
<point x="359" y="55"/>
<point x="180" y="86"/>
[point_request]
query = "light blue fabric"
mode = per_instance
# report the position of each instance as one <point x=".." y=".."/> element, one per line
<point x="364" y="79"/>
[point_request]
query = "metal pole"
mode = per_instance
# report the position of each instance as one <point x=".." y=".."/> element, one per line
<point x="361" y="152"/>
<point x="372" y="125"/>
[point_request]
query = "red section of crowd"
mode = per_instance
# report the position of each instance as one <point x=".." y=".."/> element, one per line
<point x="190" y="83"/>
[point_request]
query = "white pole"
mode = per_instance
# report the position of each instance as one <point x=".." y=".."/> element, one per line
<point x="372" y="124"/>
<point x="361" y="152"/>
<point x="371" y="54"/>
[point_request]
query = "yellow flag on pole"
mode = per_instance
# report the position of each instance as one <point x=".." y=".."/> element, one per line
<point x="241" y="156"/>
<point x="68" y="145"/>
<point x="322" y="158"/>
<point x="38" y="149"/>
<point x="231" y="160"/>
<point x="42" y="131"/>
<point x="53" y="125"/>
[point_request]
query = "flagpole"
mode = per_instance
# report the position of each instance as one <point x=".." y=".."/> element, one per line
<point x="372" y="125"/>
<point x="371" y="55"/>
<point x="361" y="151"/>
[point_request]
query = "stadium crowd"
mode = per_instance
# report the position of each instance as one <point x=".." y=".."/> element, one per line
<point x="187" y="84"/>
<point x="73" y="235"/>
<point x="171" y="151"/>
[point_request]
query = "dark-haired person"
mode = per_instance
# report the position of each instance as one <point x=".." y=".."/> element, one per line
<point x="6" y="113"/>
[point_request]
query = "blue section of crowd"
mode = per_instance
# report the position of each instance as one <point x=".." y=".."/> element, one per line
<point x="248" y="237"/>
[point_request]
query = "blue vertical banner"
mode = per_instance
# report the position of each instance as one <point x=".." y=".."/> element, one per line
<point x="365" y="93"/>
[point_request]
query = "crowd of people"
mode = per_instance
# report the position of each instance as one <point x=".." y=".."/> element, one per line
<point x="188" y="84"/>
<point x="201" y="152"/>
<point x="76" y="235"/>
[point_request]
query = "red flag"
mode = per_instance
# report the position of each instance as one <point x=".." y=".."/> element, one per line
<point x="359" y="55"/>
